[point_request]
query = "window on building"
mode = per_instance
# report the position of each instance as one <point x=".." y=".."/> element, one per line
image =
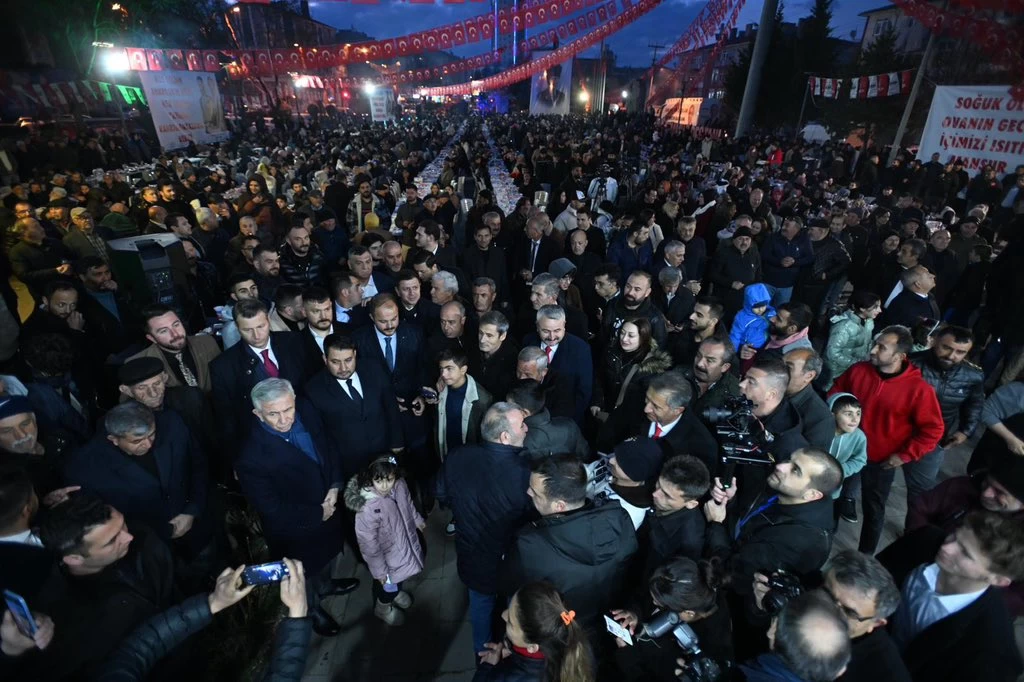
<point x="882" y="26"/>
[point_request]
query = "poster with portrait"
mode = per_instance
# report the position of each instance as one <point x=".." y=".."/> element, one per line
<point x="383" y="106"/>
<point x="550" y="90"/>
<point x="186" y="107"/>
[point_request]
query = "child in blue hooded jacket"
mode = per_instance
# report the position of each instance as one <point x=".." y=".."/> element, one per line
<point x="750" y="326"/>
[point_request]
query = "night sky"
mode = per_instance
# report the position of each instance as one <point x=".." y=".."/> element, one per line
<point x="662" y="25"/>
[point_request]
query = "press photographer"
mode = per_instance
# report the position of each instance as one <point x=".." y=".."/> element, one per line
<point x="689" y="616"/>
<point x="866" y="595"/>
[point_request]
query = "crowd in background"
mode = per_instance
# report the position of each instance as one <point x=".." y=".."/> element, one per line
<point x="646" y="394"/>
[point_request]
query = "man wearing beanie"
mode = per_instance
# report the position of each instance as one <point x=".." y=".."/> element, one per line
<point x="629" y="480"/>
<point x="1000" y="489"/>
<point x="735" y="266"/>
<point x="24" y="444"/>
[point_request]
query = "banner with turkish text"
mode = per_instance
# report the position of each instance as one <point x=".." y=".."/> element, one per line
<point x="186" y="107"/>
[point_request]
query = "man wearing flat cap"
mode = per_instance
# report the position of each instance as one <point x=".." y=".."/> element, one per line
<point x="23" y="443"/>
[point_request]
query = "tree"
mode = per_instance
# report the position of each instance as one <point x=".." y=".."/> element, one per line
<point x="882" y="55"/>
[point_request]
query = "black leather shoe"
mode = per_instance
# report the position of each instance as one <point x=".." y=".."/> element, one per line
<point x="340" y="586"/>
<point x="324" y="623"/>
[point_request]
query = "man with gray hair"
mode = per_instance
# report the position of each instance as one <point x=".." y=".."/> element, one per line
<point x="674" y="299"/>
<point x="444" y="287"/>
<point x="544" y="291"/>
<point x="290" y="473"/>
<point x="567" y="354"/>
<point x="558" y="389"/>
<point x="150" y="466"/>
<point x="816" y="420"/>
<point x="211" y="236"/>
<point x="485" y="486"/>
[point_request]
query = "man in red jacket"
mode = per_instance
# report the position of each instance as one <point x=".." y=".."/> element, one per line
<point x="901" y="420"/>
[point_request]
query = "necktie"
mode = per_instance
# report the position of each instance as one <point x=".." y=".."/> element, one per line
<point x="657" y="431"/>
<point x="547" y="352"/>
<point x="186" y="373"/>
<point x="389" y="354"/>
<point x="353" y="393"/>
<point x="268" y="364"/>
<point x="533" y="256"/>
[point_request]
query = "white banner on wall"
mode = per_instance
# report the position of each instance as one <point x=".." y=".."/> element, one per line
<point x="186" y="107"/>
<point x="382" y="105"/>
<point x="550" y="90"/>
<point x="978" y="124"/>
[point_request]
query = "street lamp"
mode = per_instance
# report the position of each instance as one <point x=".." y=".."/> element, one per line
<point x="369" y="88"/>
<point x="625" y="94"/>
<point x="115" y="61"/>
<point x="584" y="96"/>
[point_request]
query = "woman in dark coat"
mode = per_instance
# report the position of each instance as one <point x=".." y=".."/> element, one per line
<point x="621" y="385"/>
<point x="257" y="202"/>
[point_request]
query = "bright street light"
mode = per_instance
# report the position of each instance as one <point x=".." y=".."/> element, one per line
<point x="115" y="61"/>
<point x="369" y="88"/>
<point x="625" y="94"/>
<point x="584" y="96"/>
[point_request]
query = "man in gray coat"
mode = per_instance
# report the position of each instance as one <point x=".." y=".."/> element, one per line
<point x="547" y="435"/>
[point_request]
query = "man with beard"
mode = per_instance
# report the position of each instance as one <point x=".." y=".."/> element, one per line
<point x="57" y="314"/>
<point x="360" y="262"/>
<point x="319" y="310"/>
<point x="494" y="362"/>
<point x="788" y="330"/>
<point x="712" y="374"/>
<point x="266" y="264"/>
<point x="413" y="307"/>
<point x="363" y="204"/>
<point x="407" y="212"/>
<point x="169" y="201"/>
<point x="483" y="259"/>
<point x="392" y="259"/>
<point x="831" y="260"/>
<point x="702" y="325"/>
<point x="301" y="260"/>
<point x="186" y="359"/>
<point x="734" y="267"/>
<point x="634" y="302"/>
<point x="428" y="239"/>
<point x="960" y="388"/>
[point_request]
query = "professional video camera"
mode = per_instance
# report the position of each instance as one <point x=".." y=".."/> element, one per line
<point x="782" y="586"/>
<point x="699" y="667"/>
<point x="741" y="436"/>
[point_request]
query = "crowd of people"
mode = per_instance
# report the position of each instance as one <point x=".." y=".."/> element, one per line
<point x="642" y="399"/>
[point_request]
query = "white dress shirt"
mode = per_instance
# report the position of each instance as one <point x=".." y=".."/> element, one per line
<point x="665" y="428"/>
<point x="355" y="382"/>
<point x="259" y="354"/>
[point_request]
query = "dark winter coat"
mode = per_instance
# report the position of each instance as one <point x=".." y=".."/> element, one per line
<point x="776" y="248"/>
<point x="549" y="435"/>
<point x="728" y="266"/>
<point x="584" y="553"/>
<point x="960" y="390"/>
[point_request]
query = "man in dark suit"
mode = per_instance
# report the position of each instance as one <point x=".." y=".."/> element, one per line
<point x="952" y="621"/>
<point x="533" y="256"/>
<point x="358" y="407"/>
<point x="674" y="299"/>
<point x="319" y="310"/>
<point x="558" y="389"/>
<point x="291" y="475"/>
<point x="349" y="312"/>
<point x="413" y="307"/>
<point x="673" y="425"/>
<point x="152" y="468"/>
<point x="567" y="354"/>
<point x="397" y="351"/>
<point x="428" y="239"/>
<point x="261" y="354"/>
<point x="483" y="259"/>
<point x="372" y="281"/>
<point x="914" y="303"/>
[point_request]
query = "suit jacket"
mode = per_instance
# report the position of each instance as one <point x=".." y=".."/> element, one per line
<point x="360" y="431"/>
<point x="287" y="489"/>
<point x="277" y="323"/>
<point x="494" y="266"/>
<point x="908" y="309"/>
<point x="677" y="311"/>
<point x="407" y="378"/>
<point x="204" y="351"/>
<point x="102" y="468"/>
<point x="547" y="251"/>
<point x="237" y="370"/>
<point x="688" y="437"/>
<point x="572" y="359"/>
<point x="977" y="638"/>
<point x="425" y="313"/>
<point x="575" y="321"/>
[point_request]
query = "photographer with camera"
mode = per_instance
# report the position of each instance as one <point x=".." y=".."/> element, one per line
<point x="689" y="609"/>
<point x="786" y="527"/>
<point x="866" y="595"/>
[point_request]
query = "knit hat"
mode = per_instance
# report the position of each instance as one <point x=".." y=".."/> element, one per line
<point x="639" y="458"/>
<point x="742" y="231"/>
<point x="1007" y="468"/>
<point x="138" y="370"/>
<point x="11" y="405"/>
<point x="561" y="267"/>
<point x="913" y="214"/>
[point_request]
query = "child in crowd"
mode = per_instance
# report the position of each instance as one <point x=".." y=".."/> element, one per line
<point x="850" y="448"/>
<point x="750" y="326"/>
<point x="386" y="525"/>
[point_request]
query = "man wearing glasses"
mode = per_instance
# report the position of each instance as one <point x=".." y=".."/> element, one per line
<point x="867" y="596"/>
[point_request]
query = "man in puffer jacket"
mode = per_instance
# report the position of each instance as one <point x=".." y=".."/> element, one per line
<point x="960" y="387"/>
<point x="140" y="652"/>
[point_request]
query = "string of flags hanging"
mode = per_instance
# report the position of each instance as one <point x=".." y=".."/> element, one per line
<point x="862" y="87"/>
<point x="65" y="93"/>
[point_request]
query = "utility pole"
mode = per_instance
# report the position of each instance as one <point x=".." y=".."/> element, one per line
<point x="803" y="105"/>
<point x="926" y="60"/>
<point x="750" y="92"/>
<point x="604" y="80"/>
<point x="654" y="59"/>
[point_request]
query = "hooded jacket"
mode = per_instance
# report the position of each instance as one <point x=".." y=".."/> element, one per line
<point x="386" y="530"/>
<point x="584" y="553"/>
<point x="849" y="449"/>
<point x="901" y="413"/>
<point x="848" y="342"/>
<point x="749" y="328"/>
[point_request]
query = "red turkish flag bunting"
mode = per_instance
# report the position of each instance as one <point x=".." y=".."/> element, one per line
<point x="175" y="60"/>
<point x="529" y="17"/>
<point x="388" y="48"/>
<point x="472" y="32"/>
<point x="211" y="60"/>
<point x="563" y="31"/>
<point x="905" y="81"/>
<point x="264" y="63"/>
<point x="444" y="36"/>
<point x="459" y="34"/>
<point x="602" y="13"/>
<point x="194" y="59"/>
<point x="402" y="46"/>
<point x="137" y="59"/>
<point x="328" y="60"/>
<point x="591" y="18"/>
<point x="155" y="58"/>
<point x="248" y="63"/>
<point x="487" y="28"/>
<point x="431" y="40"/>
